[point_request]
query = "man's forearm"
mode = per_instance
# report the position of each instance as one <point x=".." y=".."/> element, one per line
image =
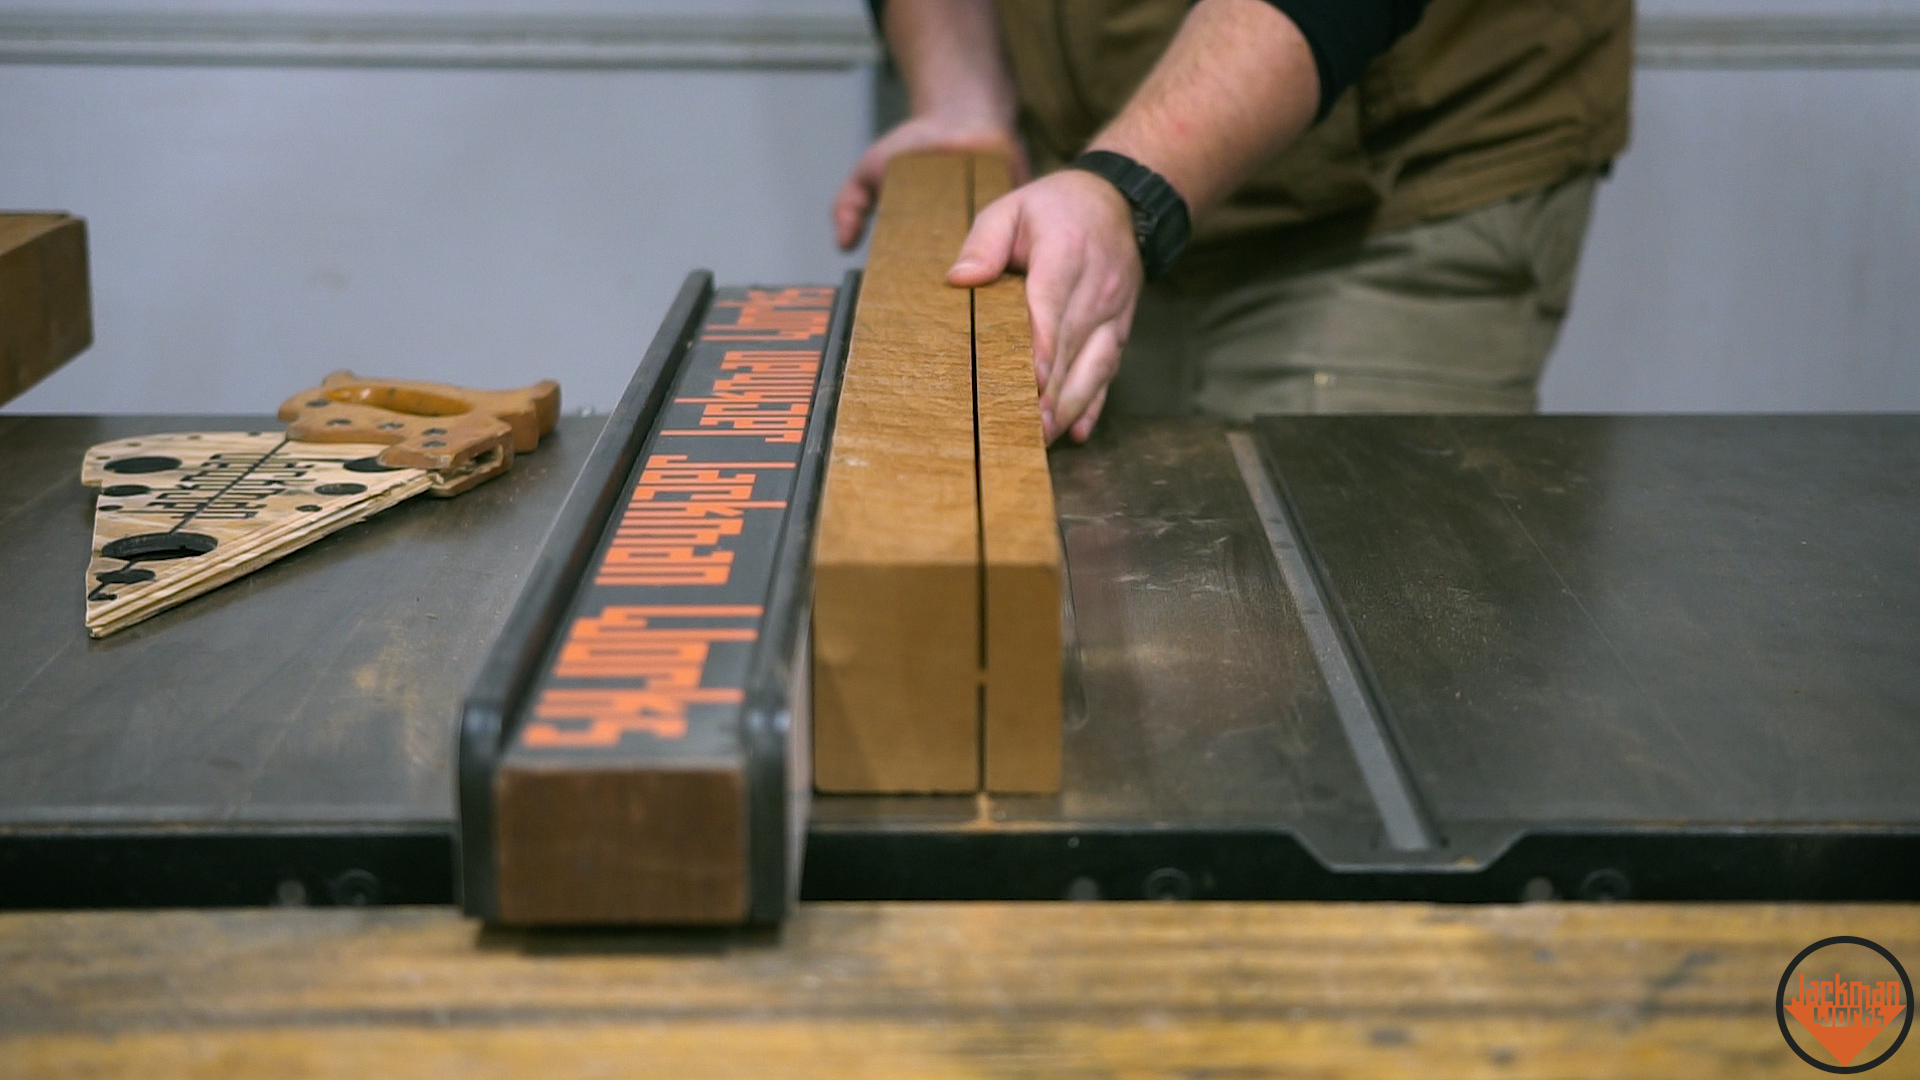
<point x="1237" y="86"/>
<point x="948" y="53"/>
<point x="1240" y="82"/>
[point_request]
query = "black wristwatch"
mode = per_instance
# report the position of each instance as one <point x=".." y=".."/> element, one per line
<point x="1160" y="224"/>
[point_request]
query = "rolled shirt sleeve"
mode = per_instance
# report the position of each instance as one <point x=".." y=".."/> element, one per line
<point x="1345" y="35"/>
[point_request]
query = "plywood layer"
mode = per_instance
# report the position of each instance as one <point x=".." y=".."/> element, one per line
<point x="897" y="558"/>
<point x="46" y="317"/>
<point x="937" y="569"/>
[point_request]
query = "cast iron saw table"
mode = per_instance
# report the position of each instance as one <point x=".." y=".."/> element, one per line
<point x="1321" y="657"/>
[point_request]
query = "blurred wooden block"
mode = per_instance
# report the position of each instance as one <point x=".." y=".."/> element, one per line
<point x="896" y="604"/>
<point x="46" y="316"/>
<point x="1370" y="991"/>
<point x="1020" y="534"/>
<point x="937" y="569"/>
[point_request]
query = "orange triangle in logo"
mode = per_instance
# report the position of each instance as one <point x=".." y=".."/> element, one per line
<point x="1843" y="1040"/>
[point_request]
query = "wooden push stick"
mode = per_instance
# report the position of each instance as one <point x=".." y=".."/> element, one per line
<point x="46" y="316"/>
<point x="1020" y="533"/>
<point x="896" y="607"/>
<point x="937" y="568"/>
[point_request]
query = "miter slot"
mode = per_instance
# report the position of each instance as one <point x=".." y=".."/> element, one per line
<point x="1407" y="828"/>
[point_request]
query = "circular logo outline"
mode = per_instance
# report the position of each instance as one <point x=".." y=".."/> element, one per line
<point x="1780" y="1003"/>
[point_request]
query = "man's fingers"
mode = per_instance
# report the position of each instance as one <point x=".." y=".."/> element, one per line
<point x="857" y="196"/>
<point x="850" y="212"/>
<point x="989" y="245"/>
<point x="1090" y="304"/>
<point x="1050" y="287"/>
<point x="1083" y="427"/>
<point x="1101" y="296"/>
<point x="1087" y="377"/>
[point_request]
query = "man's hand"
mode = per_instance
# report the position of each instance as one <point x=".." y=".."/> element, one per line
<point x="959" y="95"/>
<point x="1073" y="234"/>
<point x="1237" y="84"/>
<point x="854" y="205"/>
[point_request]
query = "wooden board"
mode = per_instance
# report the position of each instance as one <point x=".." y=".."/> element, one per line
<point x="937" y="616"/>
<point x="46" y="315"/>
<point x="1243" y="991"/>
<point x="897" y="562"/>
<point x="1020" y="533"/>
<point x="181" y="514"/>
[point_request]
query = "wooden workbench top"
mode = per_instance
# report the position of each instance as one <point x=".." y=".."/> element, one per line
<point x="928" y="990"/>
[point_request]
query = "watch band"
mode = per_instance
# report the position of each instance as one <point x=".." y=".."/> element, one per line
<point x="1160" y="223"/>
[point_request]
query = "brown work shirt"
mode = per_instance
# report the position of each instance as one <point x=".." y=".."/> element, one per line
<point x="1483" y="99"/>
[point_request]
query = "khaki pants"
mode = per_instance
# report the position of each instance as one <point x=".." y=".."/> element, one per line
<point x="1453" y="315"/>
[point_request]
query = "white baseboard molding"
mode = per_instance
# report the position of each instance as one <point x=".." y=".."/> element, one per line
<point x="1778" y="41"/>
<point x="449" y="41"/>
<point x="769" y="42"/>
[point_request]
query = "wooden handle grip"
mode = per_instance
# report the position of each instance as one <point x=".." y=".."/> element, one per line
<point x="466" y="436"/>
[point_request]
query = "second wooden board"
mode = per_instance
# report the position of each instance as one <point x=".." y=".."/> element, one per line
<point x="1019" y="533"/>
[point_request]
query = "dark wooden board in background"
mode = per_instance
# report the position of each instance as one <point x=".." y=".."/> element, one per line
<point x="46" y="305"/>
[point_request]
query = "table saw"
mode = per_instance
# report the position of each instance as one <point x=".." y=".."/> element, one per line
<point x="1457" y="658"/>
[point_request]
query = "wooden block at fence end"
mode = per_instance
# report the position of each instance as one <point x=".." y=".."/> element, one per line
<point x="1020" y="535"/>
<point x="896" y="611"/>
<point x="617" y="846"/>
<point x="46" y="316"/>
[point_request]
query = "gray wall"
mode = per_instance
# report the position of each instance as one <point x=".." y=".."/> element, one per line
<point x="254" y="227"/>
<point x="1758" y="247"/>
<point x="498" y="201"/>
